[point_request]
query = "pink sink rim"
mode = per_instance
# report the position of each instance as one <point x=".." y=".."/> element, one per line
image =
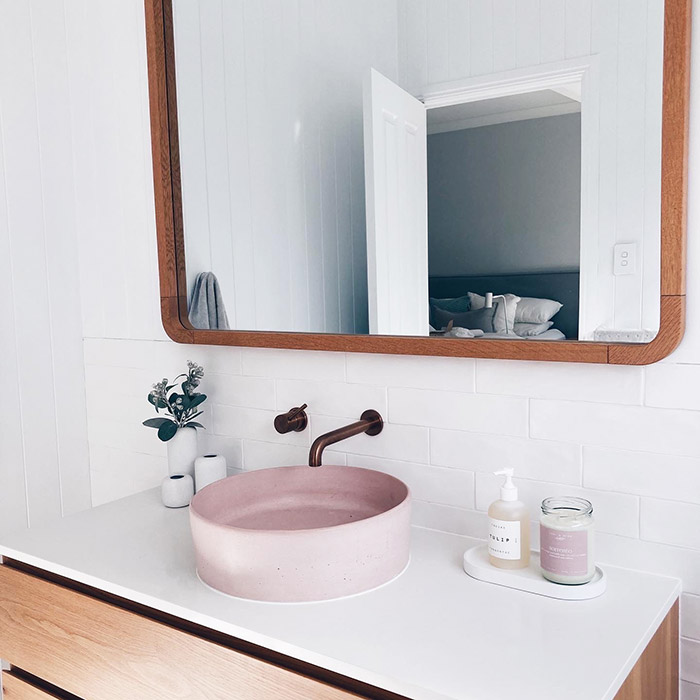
<point x="196" y="509"/>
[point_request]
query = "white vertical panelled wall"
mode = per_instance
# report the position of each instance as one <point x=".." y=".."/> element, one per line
<point x="272" y="154"/>
<point x="44" y="468"/>
<point x="626" y="437"/>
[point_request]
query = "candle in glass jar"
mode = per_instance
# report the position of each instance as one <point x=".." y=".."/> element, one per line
<point x="566" y="540"/>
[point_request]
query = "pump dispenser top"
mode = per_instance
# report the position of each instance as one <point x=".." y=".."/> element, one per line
<point x="509" y="527"/>
<point x="509" y="491"/>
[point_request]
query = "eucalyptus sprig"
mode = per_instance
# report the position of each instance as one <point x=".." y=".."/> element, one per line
<point x="182" y="409"/>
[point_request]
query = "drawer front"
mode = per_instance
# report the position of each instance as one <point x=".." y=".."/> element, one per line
<point x="14" y="688"/>
<point x="100" y="651"/>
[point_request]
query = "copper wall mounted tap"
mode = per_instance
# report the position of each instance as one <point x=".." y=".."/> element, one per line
<point x="294" y="419"/>
<point x="370" y="423"/>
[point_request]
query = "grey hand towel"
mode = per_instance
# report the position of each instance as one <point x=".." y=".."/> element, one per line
<point x="206" y="304"/>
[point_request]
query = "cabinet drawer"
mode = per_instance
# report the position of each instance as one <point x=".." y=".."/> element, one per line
<point x="100" y="651"/>
<point x="14" y="688"/>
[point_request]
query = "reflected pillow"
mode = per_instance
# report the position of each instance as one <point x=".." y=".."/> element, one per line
<point x="532" y="310"/>
<point x="456" y="304"/>
<point x="483" y="319"/>
<point x="499" y="322"/>
<point x="527" y="330"/>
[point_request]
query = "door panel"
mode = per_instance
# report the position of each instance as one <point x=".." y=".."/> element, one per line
<point x="396" y="173"/>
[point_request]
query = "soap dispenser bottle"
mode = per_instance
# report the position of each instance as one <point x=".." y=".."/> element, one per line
<point x="509" y="528"/>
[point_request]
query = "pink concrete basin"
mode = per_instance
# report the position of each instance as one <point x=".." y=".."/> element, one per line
<point x="292" y="534"/>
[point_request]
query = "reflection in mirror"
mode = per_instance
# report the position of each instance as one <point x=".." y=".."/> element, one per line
<point x="461" y="169"/>
<point x="504" y="207"/>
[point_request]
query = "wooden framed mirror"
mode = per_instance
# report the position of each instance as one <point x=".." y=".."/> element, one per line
<point x="443" y="95"/>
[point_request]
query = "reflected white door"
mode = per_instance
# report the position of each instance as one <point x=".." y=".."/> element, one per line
<point x="396" y="175"/>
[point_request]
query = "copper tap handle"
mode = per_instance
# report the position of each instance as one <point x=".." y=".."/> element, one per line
<point x="294" y="419"/>
<point x="294" y="411"/>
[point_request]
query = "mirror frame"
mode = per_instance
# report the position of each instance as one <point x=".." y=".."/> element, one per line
<point x="674" y="176"/>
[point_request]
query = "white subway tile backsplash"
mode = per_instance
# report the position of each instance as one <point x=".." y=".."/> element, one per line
<point x="401" y="442"/>
<point x="690" y="616"/>
<point x="445" y="373"/>
<point x="615" y="513"/>
<point x="642" y="473"/>
<point x="661" y="559"/>
<point x="228" y="447"/>
<point x="121" y="409"/>
<point x="625" y="427"/>
<point x="254" y="424"/>
<point x="690" y="660"/>
<point x="261" y="455"/>
<point x="670" y="522"/>
<point x="236" y="390"/>
<point x="689" y="691"/>
<point x="331" y="398"/>
<point x="171" y="359"/>
<point x="120" y="472"/>
<point x="140" y="439"/>
<point x="583" y="382"/>
<point x="459" y="521"/>
<point x="673" y="386"/>
<point x="459" y="411"/>
<point x="104" y="382"/>
<point x="452" y="487"/>
<point x="543" y="460"/>
<point x="293" y="364"/>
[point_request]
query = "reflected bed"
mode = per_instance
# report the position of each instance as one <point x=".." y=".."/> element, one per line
<point x="560" y="286"/>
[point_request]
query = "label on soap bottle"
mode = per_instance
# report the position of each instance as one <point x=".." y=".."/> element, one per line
<point x="504" y="538"/>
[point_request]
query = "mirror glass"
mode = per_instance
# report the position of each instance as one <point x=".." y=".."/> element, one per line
<point x="459" y="168"/>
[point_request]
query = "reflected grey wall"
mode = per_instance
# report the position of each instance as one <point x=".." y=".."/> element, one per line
<point x="505" y="198"/>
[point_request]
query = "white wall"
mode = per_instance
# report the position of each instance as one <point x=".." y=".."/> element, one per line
<point x="272" y="154"/>
<point x="449" y="40"/>
<point x="44" y="469"/>
<point x="624" y="436"/>
<point x="505" y="199"/>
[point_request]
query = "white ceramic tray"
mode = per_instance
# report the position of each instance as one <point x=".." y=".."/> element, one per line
<point x="476" y="564"/>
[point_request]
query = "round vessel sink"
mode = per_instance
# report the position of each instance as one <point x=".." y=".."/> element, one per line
<point x="292" y="534"/>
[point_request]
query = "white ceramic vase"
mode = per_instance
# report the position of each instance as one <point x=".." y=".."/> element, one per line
<point x="208" y="469"/>
<point x="177" y="490"/>
<point x="182" y="451"/>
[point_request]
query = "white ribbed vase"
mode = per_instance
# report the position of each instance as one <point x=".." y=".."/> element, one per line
<point x="182" y="451"/>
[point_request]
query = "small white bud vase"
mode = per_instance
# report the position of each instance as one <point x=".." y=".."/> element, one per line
<point x="208" y="469"/>
<point x="177" y="490"/>
<point x="182" y="451"/>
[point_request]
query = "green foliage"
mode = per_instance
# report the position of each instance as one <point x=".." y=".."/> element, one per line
<point x="181" y="407"/>
<point x="167" y="430"/>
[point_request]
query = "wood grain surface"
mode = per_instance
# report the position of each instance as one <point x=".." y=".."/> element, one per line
<point x="655" y="675"/>
<point x="14" y="688"/>
<point x="99" y="651"/>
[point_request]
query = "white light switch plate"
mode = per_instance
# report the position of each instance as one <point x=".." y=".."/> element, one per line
<point x="625" y="259"/>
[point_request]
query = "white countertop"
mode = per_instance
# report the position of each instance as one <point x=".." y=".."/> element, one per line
<point x="432" y="634"/>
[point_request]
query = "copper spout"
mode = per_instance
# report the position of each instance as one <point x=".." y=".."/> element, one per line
<point x="370" y="423"/>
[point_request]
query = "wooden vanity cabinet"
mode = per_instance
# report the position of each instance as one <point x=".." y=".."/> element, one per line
<point x="64" y="640"/>
<point x="15" y="687"/>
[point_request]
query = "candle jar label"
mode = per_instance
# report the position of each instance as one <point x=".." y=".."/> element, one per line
<point x="564" y="552"/>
